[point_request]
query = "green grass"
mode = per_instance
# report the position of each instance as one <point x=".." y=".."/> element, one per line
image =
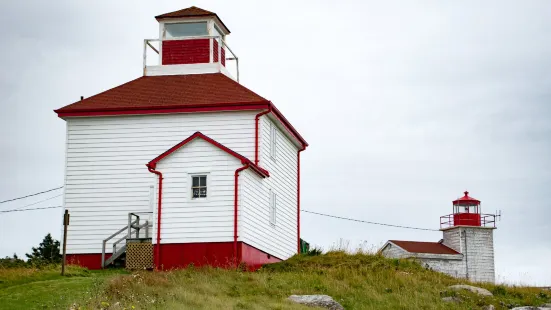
<point x="45" y="288"/>
<point x="359" y="281"/>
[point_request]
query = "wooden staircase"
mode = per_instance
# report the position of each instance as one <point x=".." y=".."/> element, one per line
<point x="141" y="256"/>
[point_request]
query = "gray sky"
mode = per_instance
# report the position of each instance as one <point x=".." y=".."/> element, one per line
<point x="405" y="106"/>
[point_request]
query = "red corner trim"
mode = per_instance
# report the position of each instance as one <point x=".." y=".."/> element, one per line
<point x="235" y="207"/>
<point x="244" y="160"/>
<point x="256" y="133"/>
<point x="157" y="258"/>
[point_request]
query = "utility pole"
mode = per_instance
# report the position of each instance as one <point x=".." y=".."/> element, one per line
<point x="65" y="224"/>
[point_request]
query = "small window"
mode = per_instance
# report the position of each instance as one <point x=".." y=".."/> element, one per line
<point x="217" y="31"/>
<point x="273" y="141"/>
<point x="273" y="207"/>
<point x="199" y="186"/>
<point x="175" y="30"/>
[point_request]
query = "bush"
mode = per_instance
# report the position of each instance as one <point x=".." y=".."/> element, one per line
<point x="46" y="253"/>
<point x="12" y="262"/>
<point x="314" y="252"/>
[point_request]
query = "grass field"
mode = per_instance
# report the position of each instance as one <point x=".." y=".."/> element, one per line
<point x="45" y="288"/>
<point x="358" y="281"/>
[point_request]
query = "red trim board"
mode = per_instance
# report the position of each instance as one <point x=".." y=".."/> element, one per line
<point x="182" y="255"/>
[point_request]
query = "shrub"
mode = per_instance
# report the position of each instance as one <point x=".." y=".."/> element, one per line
<point x="46" y="253"/>
<point x="314" y="252"/>
<point x="12" y="262"/>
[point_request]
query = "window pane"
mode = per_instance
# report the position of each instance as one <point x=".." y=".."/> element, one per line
<point x="203" y="181"/>
<point x="186" y="29"/>
<point x="217" y="31"/>
<point x="203" y="192"/>
<point x="195" y="193"/>
<point x="195" y="181"/>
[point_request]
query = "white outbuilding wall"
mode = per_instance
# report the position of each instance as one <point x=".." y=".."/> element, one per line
<point x="450" y="264"/>
<point x="279" y="238"/>
<point x="106" y="176"/>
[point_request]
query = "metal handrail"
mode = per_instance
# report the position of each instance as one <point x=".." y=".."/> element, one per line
<point x="486" y="220"/>
<point x="132" y="224"/>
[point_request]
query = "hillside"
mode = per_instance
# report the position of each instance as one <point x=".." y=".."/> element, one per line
<point x="358" y="281"/>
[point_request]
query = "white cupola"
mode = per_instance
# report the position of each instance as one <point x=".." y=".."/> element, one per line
<point x="191" y="41"/>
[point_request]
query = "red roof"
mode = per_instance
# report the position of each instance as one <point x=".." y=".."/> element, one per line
<point x="169" y="91"/>
<point x="192" y="11"/>
<point x="174" y="94"/>
<point x="424" y="247"/>
<point x="466" y="200"/>
<point x="198" y="135"/>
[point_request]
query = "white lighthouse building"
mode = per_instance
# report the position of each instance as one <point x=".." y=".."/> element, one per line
<point x="467" y="247"/>
<point x="183" y="165"/>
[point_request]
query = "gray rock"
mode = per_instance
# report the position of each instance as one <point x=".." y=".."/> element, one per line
<point x="323" y="301"/>
<point x="489" y="307"/>
<point x="531" y="308"/>
<point x="452" y="299"/>
<point x="474" y="289"/>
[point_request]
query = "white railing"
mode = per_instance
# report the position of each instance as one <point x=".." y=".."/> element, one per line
<point x="149" y="45"/>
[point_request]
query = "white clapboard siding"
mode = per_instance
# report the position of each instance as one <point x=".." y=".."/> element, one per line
<point x="106" y="176"/>
<point x="280" y="239"/>
<point x="186" y="220"/>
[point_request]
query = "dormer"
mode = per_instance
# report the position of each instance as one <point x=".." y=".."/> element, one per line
<point x="191" y="41"/>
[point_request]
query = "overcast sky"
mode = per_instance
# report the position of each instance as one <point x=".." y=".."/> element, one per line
<point x="404" y="106"/>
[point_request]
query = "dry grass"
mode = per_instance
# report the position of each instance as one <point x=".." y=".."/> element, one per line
<point x="357" y="281"/>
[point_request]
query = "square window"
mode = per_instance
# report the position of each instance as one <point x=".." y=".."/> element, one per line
<point x="199" y="186"/>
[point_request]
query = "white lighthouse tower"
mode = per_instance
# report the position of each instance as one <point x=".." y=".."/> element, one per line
<point x="471" y="233"/>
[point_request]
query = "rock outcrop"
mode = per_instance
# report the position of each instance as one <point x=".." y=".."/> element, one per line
<point x="323" y="301"/>
<point x="474" y="289"/>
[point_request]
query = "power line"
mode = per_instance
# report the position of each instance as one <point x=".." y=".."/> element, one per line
<point x="17" y="210"/>
<point x="53" y="189"/>
<point x="317" y="213"/>
<point x="368" y="222"/>
<point x="35" y="203"/>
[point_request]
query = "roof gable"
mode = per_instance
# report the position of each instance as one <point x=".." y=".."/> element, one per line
<point x="424" y="247"/>
<point x="198" y="135"/>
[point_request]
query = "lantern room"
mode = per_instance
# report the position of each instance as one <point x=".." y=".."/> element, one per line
<point x="191" y="41"/>
<point x="467" y="212"/>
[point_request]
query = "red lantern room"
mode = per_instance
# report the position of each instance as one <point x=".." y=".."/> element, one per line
<point x="192" y="36"/>
<point x="467" y="212"/>
<point x="191" y="41"/>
